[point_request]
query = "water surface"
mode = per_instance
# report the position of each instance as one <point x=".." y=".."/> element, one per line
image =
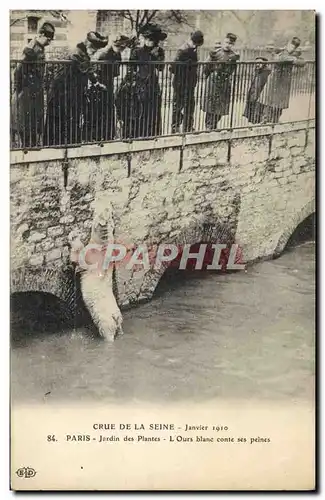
<point x="240" y="335"/>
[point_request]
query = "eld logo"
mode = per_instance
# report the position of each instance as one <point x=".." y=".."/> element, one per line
<point x="26" y="472"/>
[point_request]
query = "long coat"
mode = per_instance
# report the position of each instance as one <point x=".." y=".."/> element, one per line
<point x="219" y="71"/>
<point x="253" y="109"/>
<point x="100" y="112"/>
<point x="276" y="92"/>
<point x="67" y="98"/>
<point x="27" y="103"/>
<point x="184" y="69"/>
<point x="138" y="100"/>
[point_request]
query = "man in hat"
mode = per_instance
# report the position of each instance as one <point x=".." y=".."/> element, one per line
<point x="67" y="93"/>
<point x="184" y="69"/>
<point x="219" y="70"/>
<point x="100" y="119"/>
<point x="261" y="71"/>
<point x="276" y="94"/>
<point x="138" y="100"/>
<point x="28" y="98"/>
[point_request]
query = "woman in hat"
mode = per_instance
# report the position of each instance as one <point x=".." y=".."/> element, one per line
<point x="275" y="95"/>
<point x="138" y="101"/>
<point x="27" y="104"/>
<point x="219" y="70"/>
<point x="253" y="109"/>
<point x="100" y="116"/>
<point x="67" y="93"/>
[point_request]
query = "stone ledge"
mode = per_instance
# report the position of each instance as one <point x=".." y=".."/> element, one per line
<point x="172" y="141"/>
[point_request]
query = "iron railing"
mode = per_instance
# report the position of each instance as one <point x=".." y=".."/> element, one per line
<point x="53" y="104"/>
<point x="246" y="53"/>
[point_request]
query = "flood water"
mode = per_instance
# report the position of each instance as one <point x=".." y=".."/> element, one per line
<point x="207" y="336"/>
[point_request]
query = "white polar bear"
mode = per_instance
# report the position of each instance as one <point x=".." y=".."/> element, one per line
<point x="97" y="284"/>
<point x="97" y="292"/>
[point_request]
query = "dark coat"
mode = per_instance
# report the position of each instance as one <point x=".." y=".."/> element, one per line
<point x="107" y="72"/>
<point x="254" y="110"/>
<point x="185" y="69"/>
<point x="138" y="100"/>
<point x="67" y="98"/>
<point x="277" y="91"/>
<point x="218" y="70"/>
<point x="100" y="114"/>
<point x="27" y="103"/>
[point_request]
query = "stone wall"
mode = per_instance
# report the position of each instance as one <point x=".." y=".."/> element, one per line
<point x="256" y="184"/>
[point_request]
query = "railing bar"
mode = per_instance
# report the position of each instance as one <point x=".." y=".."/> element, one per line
<point x="47" y="123"/>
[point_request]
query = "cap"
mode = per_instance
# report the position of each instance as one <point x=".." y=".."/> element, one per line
<point x="296" y="41"/>
<point x="197" y="37"/>
<point x="97" y="40"/>
<point x="232" y="37"/>
<point x="47" y="29"/>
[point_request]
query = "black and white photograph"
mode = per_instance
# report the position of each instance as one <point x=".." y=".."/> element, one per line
<point x="162" y="247"/>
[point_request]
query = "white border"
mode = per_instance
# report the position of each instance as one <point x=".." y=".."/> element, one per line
<point x="4" y="184"/>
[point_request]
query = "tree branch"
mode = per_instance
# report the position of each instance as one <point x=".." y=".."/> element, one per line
<point x="179" y="17"/>
<point x="14" y="21"/>
<point x="137" y="20"/>
<point x="140" y="18"/>
<point x="143" y="18"/>
<point x="127" y="14"/>
<point x="58" y="14"/>
<point x="151" y="16"/>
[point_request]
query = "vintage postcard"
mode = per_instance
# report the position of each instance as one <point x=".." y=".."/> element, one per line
<point x="162" y="182"/>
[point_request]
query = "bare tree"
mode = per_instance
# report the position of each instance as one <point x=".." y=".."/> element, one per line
<point x="139" y="18"/>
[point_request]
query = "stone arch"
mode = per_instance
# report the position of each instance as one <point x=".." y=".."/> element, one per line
<point x="205" y="230"/>
<point x="294" y="222"/>
<point x="63" y="284"/>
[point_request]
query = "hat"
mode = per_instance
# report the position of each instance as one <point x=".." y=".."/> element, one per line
<point x="47" y="29"/>
<point x="231" y="37"/>
<point x="153" y="32"/>
<point x="260" y="58"/>
<point x="97" y="40"/>
<point x="296" y="41"/>
<point x="197" y="37"/>
<point x="122" y="41"/>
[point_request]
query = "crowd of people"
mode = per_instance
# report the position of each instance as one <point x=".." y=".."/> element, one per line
<point x="80" y="101"/>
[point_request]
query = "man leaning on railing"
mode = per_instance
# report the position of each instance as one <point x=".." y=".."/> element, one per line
<point x="27" y="105"/>
<point x="185" y="71"/>
<point x="253" y="109"/>
<point x="81" y="106"/>
<point x="138" y="99"/>
<point x="275" y="95"/>
<point x="218" y="71"/>
<point x="99" y="123"/>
